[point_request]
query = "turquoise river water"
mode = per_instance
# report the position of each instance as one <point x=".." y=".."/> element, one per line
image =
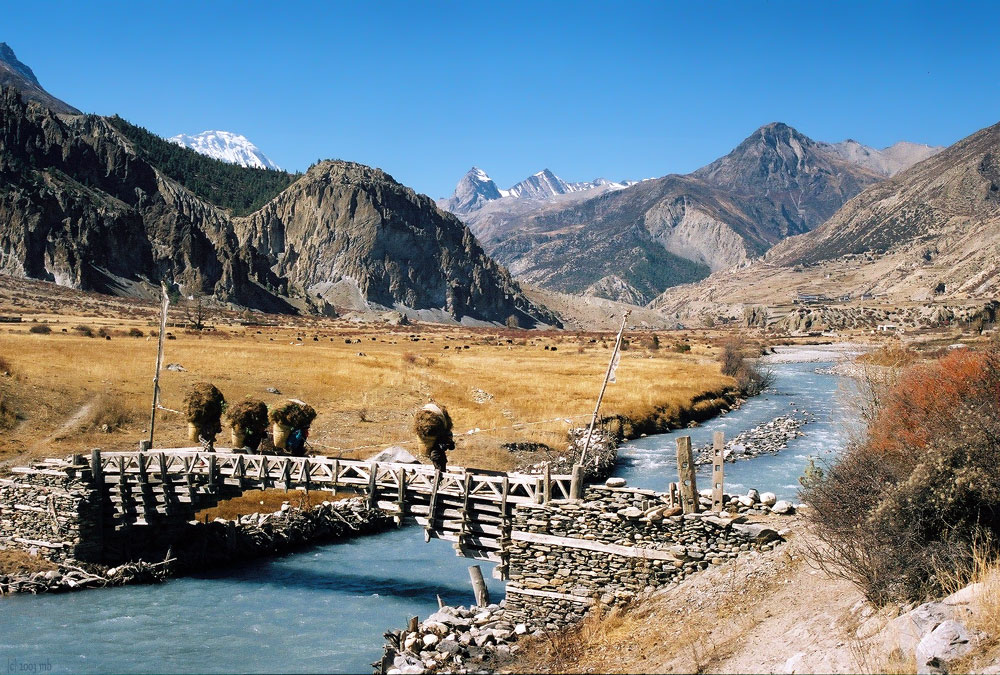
<point x="325" y="609"/>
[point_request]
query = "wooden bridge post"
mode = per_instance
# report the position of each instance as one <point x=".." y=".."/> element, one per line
<point x="401" y="496"/>
<point x="547" y="488"/>
<point x="373" y="486"/>
<point x="305" y="474"/>
<point x="286" y="474"/>
<point x="686" y="474"/>
<point x="211" y="471"/>
<point x="718" y="472"/>
<point x="576" y="484"/>
<point x="479" y="588"/>
<point x="674" y="499"/>
<point x="432" y="504"/>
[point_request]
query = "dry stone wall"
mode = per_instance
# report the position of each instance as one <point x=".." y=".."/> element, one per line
<point x="611" y="546"/>
<point x="53" y="513"/>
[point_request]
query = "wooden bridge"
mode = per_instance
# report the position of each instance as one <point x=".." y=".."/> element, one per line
<point x="472" y="509"/>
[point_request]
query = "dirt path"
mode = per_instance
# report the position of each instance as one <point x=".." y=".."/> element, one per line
<point x="71" y="424"/>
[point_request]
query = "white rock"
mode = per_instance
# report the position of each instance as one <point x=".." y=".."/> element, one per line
<point x="948" y="642"/>
<point x="431" y="639"/>
<point x="410" y="640"/>
<point x="782" y="507"/>
<point x="520" y="629"/>
<point x="615" y="482"/>
<point x="768" y="498"/>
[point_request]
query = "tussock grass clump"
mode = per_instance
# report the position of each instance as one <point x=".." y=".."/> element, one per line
<point x="111" y="413"/>
<point x="203" y="406"/>
<point x="83" y="330"/>
<point x="19" y="562"/>
<point x="40" y="329"/>
<point x="8" y="417"/>
<point x="268" y="501"/>
<point x="293" y="414"/>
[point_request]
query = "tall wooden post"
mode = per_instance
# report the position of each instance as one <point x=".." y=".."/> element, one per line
<point x="718" y="473"/>
<point x="685" y="474"/>
<point x="607" y="377"/>
<point x="479" y="588"/>
<point x="164" y="304"/>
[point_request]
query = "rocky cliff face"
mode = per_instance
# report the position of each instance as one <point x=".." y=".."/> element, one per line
<point x="80" y="207"/>
<point x="348" y="222"/>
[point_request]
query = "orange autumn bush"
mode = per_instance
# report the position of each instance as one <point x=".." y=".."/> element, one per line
<point x="905" y="508"/>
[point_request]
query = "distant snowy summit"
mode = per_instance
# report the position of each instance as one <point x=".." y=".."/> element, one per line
<point x="476" y="188"/>
<point x="226" y="146"/>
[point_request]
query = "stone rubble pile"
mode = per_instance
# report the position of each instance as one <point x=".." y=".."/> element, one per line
<point x="454" y="640"/>
<point x="767" y="438"/>
<point x="598" y="464"/>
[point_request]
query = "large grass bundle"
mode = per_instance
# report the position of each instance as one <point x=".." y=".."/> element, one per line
<point x="249" y="416"/>
<point x="294" y="414"/>
<point x="203" y="406"/>
<point x="431" y="423"/>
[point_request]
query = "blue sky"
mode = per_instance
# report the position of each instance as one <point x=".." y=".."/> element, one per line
<point x="425" y="90"/>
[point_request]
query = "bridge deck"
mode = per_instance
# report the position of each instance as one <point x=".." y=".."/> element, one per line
<point x="470" y="508"/>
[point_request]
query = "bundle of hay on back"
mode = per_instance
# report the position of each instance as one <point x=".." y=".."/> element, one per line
<point x="288" y="416"/>
<point x="431" y="423"/>
<point x="248" y="420"/>
<point x="203" y="406"/>
<point x="294" y="414"/>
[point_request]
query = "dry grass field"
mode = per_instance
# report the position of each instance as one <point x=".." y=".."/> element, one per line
<point x="72" y="388"/>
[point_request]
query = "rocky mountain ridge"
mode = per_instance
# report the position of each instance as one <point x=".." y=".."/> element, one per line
<point x="931" y="233"/>
<point x="80" y="206"/>
<point x="15" y="74"/>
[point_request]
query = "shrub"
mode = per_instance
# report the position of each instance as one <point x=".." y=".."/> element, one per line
<point x="84" y="330"/>
<point x="751" y="379"/>
<point x="40" y="329"/>
<point x="294" y="414"/>
<point x="906" y="508"/>
<point x="8" y="417"/>
<point x="110" y="413"/>
<point x="135" y="332"/>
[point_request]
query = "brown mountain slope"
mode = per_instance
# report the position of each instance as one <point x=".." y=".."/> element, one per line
<point x="931" y="232"/>
<point x="675" y="229"/>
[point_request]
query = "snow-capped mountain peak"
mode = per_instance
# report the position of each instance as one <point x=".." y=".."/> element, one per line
<point x="226" y="146"/>
<point x="476" y="189"/>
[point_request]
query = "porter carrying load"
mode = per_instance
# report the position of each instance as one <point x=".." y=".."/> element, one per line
<point x="433" y="427"/>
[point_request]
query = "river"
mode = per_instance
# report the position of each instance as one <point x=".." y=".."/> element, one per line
<point x="325" y="609"/>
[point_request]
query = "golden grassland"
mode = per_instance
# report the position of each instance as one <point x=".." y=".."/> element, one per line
<point x="62" y="388"/>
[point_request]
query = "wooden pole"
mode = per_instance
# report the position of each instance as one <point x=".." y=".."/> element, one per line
<point x="604" y="386"/>
<point x="685" y="472"/>
<point x="718" y="472"/>
<point x="576" y="484"/>
<point x="479" y="588"/>
<point x="164" y="304"/>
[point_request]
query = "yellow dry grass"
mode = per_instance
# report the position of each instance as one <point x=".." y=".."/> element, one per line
<point x="267" y="501"/>
<point x="364" y="381"/>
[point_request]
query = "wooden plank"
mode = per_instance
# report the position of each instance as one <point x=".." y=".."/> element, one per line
<point x="547" y="485"/>
<point x="590" y="545"/>
<point x="511" y="588"/>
